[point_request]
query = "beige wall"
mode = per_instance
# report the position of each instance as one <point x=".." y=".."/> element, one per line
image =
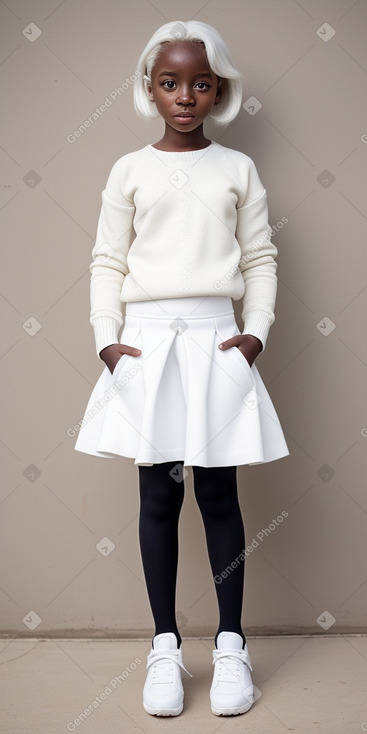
<point x="56" y="503"/>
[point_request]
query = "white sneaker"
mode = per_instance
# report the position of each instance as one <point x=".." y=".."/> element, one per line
<point x="163" y="692"/>
<point x="232" y="690"/>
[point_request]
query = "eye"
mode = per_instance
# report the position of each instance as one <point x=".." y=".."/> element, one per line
<point x="170" y="84"/>
<point x="204" y="84"/>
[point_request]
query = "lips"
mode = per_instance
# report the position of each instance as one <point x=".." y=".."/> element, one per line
<point x="184" y="114"/>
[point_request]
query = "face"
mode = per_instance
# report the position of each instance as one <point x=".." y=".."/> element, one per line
<point x="185" y="89"/>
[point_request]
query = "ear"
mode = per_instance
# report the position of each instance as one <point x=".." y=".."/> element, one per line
<point x="148" y="86"/>
<point x="219" y="90"/>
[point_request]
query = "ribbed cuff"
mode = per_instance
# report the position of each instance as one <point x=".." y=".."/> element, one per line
<point x="258" y="324"/>
<point x="106" y="331"/>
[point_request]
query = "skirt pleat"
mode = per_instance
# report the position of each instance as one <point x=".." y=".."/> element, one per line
<point x="183" y="399"/>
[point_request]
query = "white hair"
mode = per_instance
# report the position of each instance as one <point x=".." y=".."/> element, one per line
<point x="218" y="59"/>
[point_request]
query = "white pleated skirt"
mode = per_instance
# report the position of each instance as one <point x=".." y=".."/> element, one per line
<point x="183" y="399"/>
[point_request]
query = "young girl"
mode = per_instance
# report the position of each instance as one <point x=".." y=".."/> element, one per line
<point x="182" y="231"/>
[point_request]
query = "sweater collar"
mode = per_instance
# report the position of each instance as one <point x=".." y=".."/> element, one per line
<point x="184" y="156"/>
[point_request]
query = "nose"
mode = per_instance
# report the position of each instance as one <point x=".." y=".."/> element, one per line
<point x="184" y="96"/>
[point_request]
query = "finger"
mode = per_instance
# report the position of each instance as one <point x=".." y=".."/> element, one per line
<point x="228" y="343"/>
<point x="132" y="351"/>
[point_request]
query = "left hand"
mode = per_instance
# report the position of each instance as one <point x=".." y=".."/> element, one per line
<point x="250" y="346"/>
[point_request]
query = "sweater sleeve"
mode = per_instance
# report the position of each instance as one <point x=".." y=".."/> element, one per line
<point x="115" y="234"/>
<point x="257" y="263"/>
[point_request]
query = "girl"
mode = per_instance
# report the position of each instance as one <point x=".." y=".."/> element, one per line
<point x="184" y="229"/>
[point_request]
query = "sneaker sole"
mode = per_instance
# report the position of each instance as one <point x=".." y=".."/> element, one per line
<point x="163" y="712"/>
<point x="231" y="711"/>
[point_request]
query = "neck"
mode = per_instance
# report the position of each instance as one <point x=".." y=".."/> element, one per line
<point x="175" y="141"/>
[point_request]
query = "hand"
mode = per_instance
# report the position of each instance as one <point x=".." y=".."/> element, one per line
<point x="113" y="353"/>
<point x="250" y="346"/>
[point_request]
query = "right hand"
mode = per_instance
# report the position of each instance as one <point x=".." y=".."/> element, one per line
<point x="112" y="354"/>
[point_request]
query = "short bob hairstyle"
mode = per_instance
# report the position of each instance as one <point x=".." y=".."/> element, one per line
<point x="218" y="59"/>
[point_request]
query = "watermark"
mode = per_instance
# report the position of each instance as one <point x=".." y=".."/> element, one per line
<point x="326" y="32"/>
<point x="258" y="244"/>
<point x="99" y="111"/>
<point x="72" y="725"/>
<point x="252" y="105"/>
<point x="109" y="688"/>
<point x="326" y="620"/>
<point x="102" y="402"/>
<point x="255" y="247"/>
<point x="326" y="326"/>
<point x="263" y="533"/>
<point x="326" y="179"/>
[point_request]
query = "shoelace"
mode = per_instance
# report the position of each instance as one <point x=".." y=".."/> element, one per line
<point x="162" y="662"/>
<point x="229" y="662"/>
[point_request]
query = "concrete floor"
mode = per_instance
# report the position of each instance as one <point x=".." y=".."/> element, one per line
<point x="303" y="684"/>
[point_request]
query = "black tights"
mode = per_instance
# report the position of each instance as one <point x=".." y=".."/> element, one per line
<point x="161" y="497"/>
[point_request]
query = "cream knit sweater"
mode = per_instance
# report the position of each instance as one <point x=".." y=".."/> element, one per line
<point x="174" y="225"/>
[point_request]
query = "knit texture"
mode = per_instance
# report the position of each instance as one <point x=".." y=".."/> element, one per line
<point x="181" y="224"/>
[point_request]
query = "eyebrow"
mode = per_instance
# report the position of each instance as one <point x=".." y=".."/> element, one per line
<point x="172" y="73"/>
